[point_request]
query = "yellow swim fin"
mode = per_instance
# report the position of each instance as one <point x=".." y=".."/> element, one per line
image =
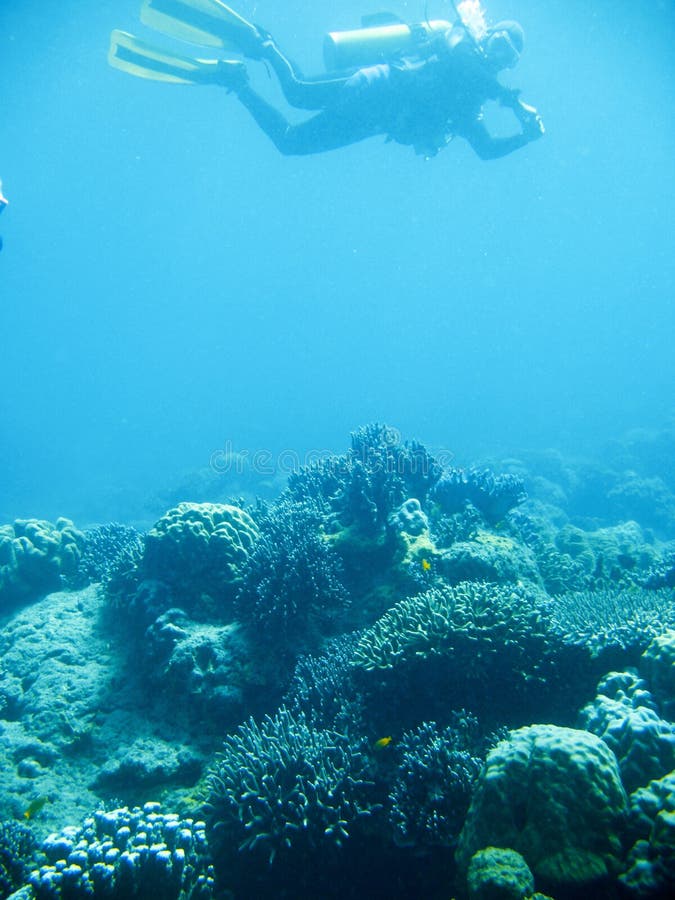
<point x="207" y="22"/>
<point x="134" y="56"/>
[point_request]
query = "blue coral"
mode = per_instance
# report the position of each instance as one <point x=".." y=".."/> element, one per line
<point x="127" y="854"/>
<point x="324" y="688"/>
<point x="17" y="846"/>
<point x="109" y="550"/>
<point x="493" y="495"/>
<point x="430" y="796"/>
<point x="363" y="487"/>
<point x="292" y="590"/>
<point x="283" y="787"/>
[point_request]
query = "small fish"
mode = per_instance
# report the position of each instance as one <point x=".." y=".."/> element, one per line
<point x="382" y="742"/>
<point x="426" y="565"/>
<point x="35" y="806"/>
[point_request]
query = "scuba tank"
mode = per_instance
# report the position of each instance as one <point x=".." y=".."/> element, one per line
<point x="372" y="44"/>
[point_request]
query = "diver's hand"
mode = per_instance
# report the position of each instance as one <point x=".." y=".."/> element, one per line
<point x="531" y="121"/>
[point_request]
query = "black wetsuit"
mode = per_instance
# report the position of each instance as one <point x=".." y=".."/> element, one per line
<point x="421" y="101"/>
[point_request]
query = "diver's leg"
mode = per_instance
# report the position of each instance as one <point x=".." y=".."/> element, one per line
<point x="326" y="131"/>
<point x="305" y="93"/>
<point x="301" y="92"/>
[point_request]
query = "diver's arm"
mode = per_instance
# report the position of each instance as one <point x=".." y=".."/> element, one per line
<point x="488" y="147"/>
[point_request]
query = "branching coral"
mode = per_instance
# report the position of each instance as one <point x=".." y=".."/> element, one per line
<point x="432" y="789"/>
<point x="17" y="846"/>
<point x="109" y="550"/>
<point x="363" y="487"/>
<point x="292" y="588"/>
<point x="323" y="687"/>
<point x="282" y="786"/>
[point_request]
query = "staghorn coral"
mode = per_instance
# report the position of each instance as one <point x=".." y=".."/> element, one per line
<point x="292" y="589"/>
<point x="200" y="548"/>
<point x="282" y="786"/>
<point x="127" y="854"/>
<point x="323" y="688"/>
<point x="620" y="619"/>
<point x="37" y="557"/>
<point x="108" y="551"/>
<point x="432" y="789"/>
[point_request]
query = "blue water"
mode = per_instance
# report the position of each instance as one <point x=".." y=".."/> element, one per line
<point x="172" y="286"/>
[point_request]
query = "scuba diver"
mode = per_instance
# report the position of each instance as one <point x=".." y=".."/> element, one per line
<point x="419" y="85"/>
<point x="3" y="203"/>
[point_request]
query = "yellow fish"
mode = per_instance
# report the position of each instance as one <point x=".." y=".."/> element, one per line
<point x="426" y="565"/>
<point x="383" y="742"/>
<point x="35" y="806"/>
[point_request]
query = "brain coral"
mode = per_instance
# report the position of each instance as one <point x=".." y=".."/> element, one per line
<point x="200" y="548"/>
<point x="554" y="795"/>
<point x="35" y="557"/>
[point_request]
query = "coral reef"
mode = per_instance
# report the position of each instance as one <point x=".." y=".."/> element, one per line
<point x="343" y="623"/>
<point x="555" y="796"/>
<point x="36" y="557"/>
<point x="499" y="874"/>
<point x="108" y="551"/>
<point x="17" y="845"/>
<point x="127" y="854"/>
<point x="624" y="619"/>
<point x="200" y="549"/>
<point x="292" y="590"/>
<point x="282" y="786"/>
<point x="493" y="495"/>
<point x="436" y="772"/>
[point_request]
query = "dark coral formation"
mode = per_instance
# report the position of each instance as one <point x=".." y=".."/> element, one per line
<point x="434" y="782"/>
<point x="292" y="590"/>
<point x="109" y="551"/>
<point x="363" y="487"/>
<point x="493" y="495"/>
